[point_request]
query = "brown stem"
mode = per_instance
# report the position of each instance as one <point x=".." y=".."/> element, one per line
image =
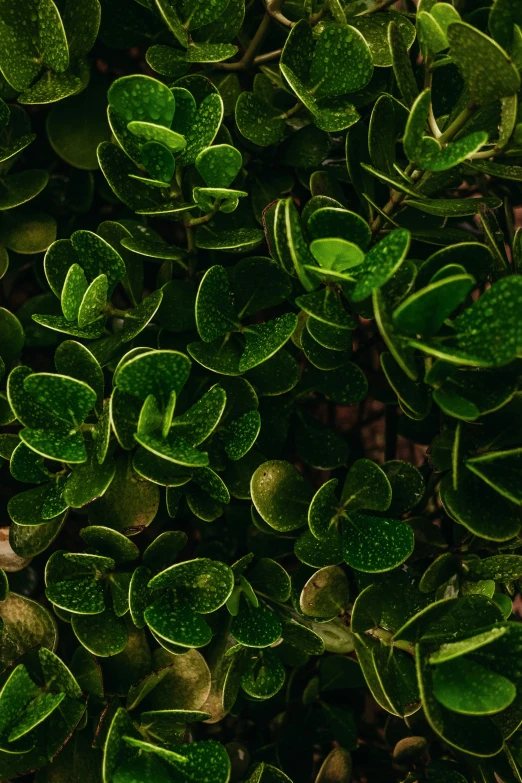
<point x="379" y="7"/>
<point x="250" y="52"/>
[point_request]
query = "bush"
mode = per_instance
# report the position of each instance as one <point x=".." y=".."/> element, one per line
<point x="261" y="422"/>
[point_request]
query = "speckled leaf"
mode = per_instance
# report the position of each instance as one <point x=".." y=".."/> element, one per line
<point x="341" y="62"/>
<point x="93" y="302"/>
<point x="330" y="221"/>
<point x="58" y="444"/>
<point x="291" y="246"/>
<point x="281" y="495"/>
<point x="448" y="207"/>
<point x="264" y="340"/>
<point x="381" y="263"/>
<point x="116" y="166"/>
<point x="466" y="687"/>
<point x="215" y="314"/>
<point x="59" y="324"/>
<point x="373" y="544"/>
<point x="265" y="676"/>
<point x="326" y="594"/>
<point x="219" y="165"/>
<point x="173" y="448"/>
<point x="74" y="359"/>
<point x="487" y="70"/>
<point x="475" y="734"/>
<point x="67" y="398"/>
<point x="79" y="596"/>
<point x="149" y="131"/>
<point x="88" y="481"/>
<point x="110" y="543"/>
<point x="209" y="237"/>
<point x="102" y="634"/>
<point x="258" y="121"/>
<point x="52" y="86"/>
<point x="326" y="306"/>
<point x="98" y="257"/>
<point x="268" y="577"/>
<point x="402" y="67"/>
<point x="34" y="714"/>
<point x="204" y="129"/>
<point x="207" y="583"/>
<point x="200" y="420"/>
<point x="195" y="761"/>
<point x="318" y="554"/>
<point x="142" y="98"/>
<point x="241" y="434"/>
<point x="374" y="28"/>
<point x="74" y="287"/>
<point x="176" y="621"/>
<point x="159" y="161"/>
<point x="255" y="627"/>
<point x="366" y="486"/>
<point x="26" y="624"/>
<point x="155" y="372"/>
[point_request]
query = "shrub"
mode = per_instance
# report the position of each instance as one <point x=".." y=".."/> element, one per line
<point x="259" y="367"/>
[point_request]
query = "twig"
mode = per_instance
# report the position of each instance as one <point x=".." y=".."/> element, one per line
<point x="379" y="7"/>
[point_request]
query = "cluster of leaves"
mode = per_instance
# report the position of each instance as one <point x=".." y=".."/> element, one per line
<point x="260" y="345"/>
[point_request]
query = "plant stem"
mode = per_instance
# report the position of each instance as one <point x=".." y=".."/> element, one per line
<point x="250" y="52"/>
<point x="273" y="9"/>
<point x="394" y="202"/>
<point x="203" y="219"/>
<point x="379" y="7"/>
<point x="457" y="123"/>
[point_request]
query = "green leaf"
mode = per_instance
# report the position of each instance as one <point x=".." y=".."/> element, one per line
<point x="486" y="333"/>
<point x="468" y="688"/>
<point x="142" y="98"/>
<point x="74" y="359"/>
<point x="215" y="313"/>
<point x="93" y="301"/>
<point x="366" y="486"/>
<point x="501" y="471"/>
<point x="150" y="132"/>
<point x="219" y="165"/>
<point x="477" y="735"/>
<point x="401" y="63"/>
<point x="290" y="243"/>
<point x="255" y="626"/>
<point x="425" y="311"/>
<point x="102" y="634"/>
<point x="204" y="129"/>
<point x="98" y="257"/>
<point x="154" y="372"/>
<point x="258" y="121"/>
<point x="280" y="495"/>
<point x="374" y="29"/>
<point x="110" y="543"/>
<point x="487" y="70"/>
<point x="19" y="188"/>
<point x="264" y="340"/>
<point x="67" y="398"/>
<point x="12" y="336"/>
<point x="77" y="125"/>
<point x="258" y="283"/>
<point x="269" y="577"/>
<point x="341" y="62"/>
<point x="265" y="677"/>
<point x="381" y="263"/>
<point x="26" y="624"/>
<point x="325" y="595"/>
<point x="373" y="544"/>
<point x="328" y="222"/>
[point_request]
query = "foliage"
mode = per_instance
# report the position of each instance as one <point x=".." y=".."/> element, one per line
<point x="260" y="345"/>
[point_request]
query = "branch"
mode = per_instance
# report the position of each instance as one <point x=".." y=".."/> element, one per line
<point x="379" y="7"/>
